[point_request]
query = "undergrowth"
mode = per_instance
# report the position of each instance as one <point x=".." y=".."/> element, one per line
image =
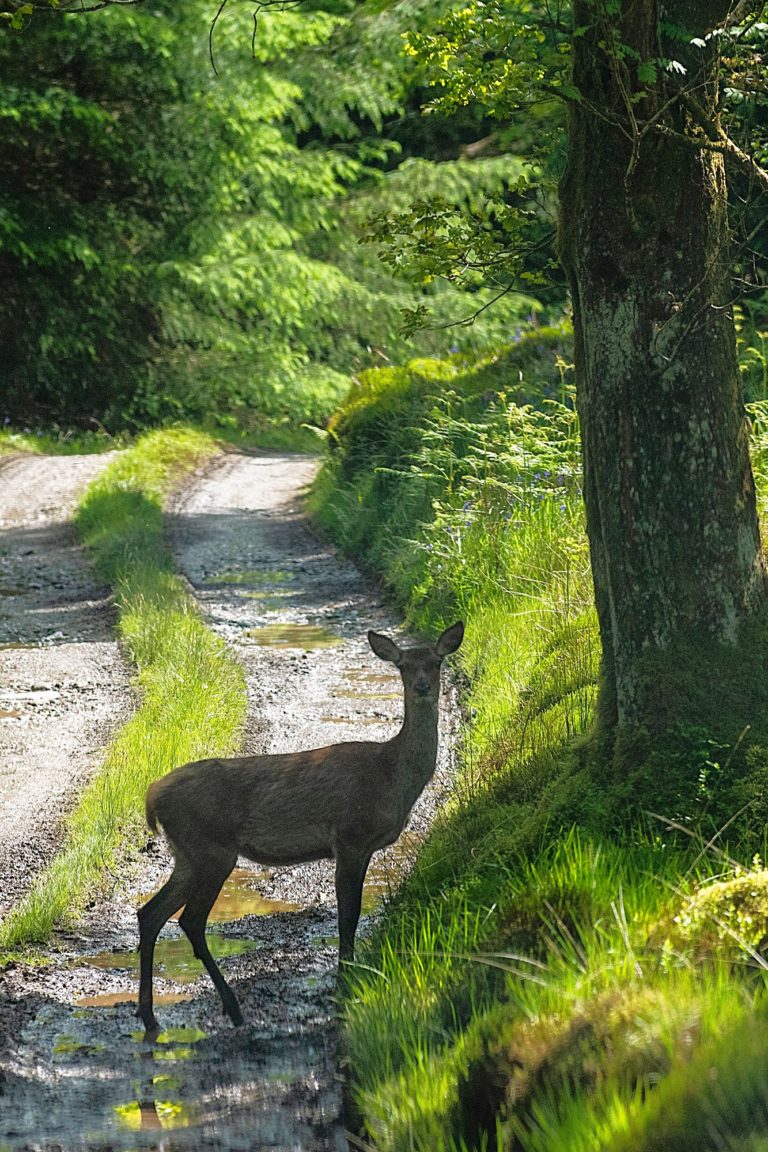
<point x="542" y="982"/>
<point x="191" y="692"/>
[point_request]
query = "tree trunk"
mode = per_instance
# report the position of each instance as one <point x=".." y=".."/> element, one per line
<point x="669" y="492"/>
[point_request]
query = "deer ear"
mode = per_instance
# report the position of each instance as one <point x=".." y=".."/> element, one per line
<point x="451" y="639"/>
<point x="384" y="648"/>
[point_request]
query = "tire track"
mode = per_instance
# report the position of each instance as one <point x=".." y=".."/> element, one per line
<point x="63" y="684"/>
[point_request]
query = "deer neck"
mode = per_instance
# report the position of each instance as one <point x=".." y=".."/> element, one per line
<point x="416" y="744"/>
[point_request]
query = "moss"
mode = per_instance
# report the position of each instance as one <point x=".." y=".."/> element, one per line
<point x="720" y="922"/>
<point x="699" y="761"/>
<point x="625" y="1036"/>
<point x="716" y="1100"/>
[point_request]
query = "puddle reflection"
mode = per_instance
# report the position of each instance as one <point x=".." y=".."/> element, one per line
<point x="66" y="1045"/>
<point x="112" y="999"/>
<point x="369" y="677"/>
<point x="384" y="875"/>
<point x="238" y="898"/>
<point x="356" y="694"/>
<point x="154" y="1115"/>
<point x="257" y="576"/>
<point x="305" y="636"/>
<point x="356" y="721"/>
<point x="174" y="958"/>
<point x="267" y="594"/>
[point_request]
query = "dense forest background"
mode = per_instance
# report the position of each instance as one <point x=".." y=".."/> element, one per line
<point x="225" y="225"/>
<point x="183" y="234"/>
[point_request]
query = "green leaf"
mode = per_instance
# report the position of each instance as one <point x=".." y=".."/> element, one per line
<point x="20" y="16"/>
<point x="647" y="72"/>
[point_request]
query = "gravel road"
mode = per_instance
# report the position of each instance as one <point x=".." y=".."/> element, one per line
<point x="74" y="1070"/>
<point x="63" y="685"/>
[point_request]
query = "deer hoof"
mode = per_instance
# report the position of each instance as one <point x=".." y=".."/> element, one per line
<point x="232" y="1009"/>
<point x="151" y="1032"/>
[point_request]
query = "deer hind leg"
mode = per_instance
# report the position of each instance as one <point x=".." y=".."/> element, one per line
<point x="193" y="920"/>
<point x="152" y="916"/>
<point x="350" y="874"/>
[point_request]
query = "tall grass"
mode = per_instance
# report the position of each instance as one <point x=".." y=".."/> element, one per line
<point x="481" y="518"/>
<point x="533" y="987"/>
<point x="191" y="691"/>
<point x="549" y="1024"/>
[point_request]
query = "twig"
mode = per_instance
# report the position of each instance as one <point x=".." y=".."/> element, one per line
<point x="214" y="22"/>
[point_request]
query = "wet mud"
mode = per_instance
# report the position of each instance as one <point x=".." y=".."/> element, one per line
<point x="75" y="1070"/>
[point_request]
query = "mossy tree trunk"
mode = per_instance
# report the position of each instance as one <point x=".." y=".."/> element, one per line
<point x="670" y="498"/>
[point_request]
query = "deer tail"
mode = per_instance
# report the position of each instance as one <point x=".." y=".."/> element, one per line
<point x="149" y="807"/>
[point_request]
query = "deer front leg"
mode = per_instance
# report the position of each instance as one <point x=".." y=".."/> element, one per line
<point x="350" y="874"/>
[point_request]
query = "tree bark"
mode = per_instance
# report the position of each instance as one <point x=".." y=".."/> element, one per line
<point x="670" y="498"/>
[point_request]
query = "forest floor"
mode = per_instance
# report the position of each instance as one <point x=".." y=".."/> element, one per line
<point x="75" y="1072"/>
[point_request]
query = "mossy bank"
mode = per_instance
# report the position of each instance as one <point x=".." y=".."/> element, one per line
<point x="576" y="954"/>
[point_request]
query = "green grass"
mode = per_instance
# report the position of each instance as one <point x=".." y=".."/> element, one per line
<point x="270" y="435"/>
<point x="542" y="982"/>
<point x="543" y="1020"/>
<point x="192" y="693"/>
<point x="61" y="442"/>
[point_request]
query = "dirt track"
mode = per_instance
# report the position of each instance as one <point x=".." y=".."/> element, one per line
<point x="74" y="1073"/>
<point x="63" y="685"/>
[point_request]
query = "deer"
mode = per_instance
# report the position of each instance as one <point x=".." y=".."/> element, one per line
<point x="340" y="802"/>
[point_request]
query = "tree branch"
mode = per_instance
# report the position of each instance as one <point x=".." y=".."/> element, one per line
<point x="743" y="10"/>
<point x="717" y="140"/>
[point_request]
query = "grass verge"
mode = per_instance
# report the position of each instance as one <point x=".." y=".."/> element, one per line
<point x="274" y="435"/>
<point x="193" y="698"/>
<point x="56" y="442"/>
<point x="543" y="982"/>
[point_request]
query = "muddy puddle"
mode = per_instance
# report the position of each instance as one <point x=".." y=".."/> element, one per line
<point x="74" y="1068"/>
<point x="305" y="637"/>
